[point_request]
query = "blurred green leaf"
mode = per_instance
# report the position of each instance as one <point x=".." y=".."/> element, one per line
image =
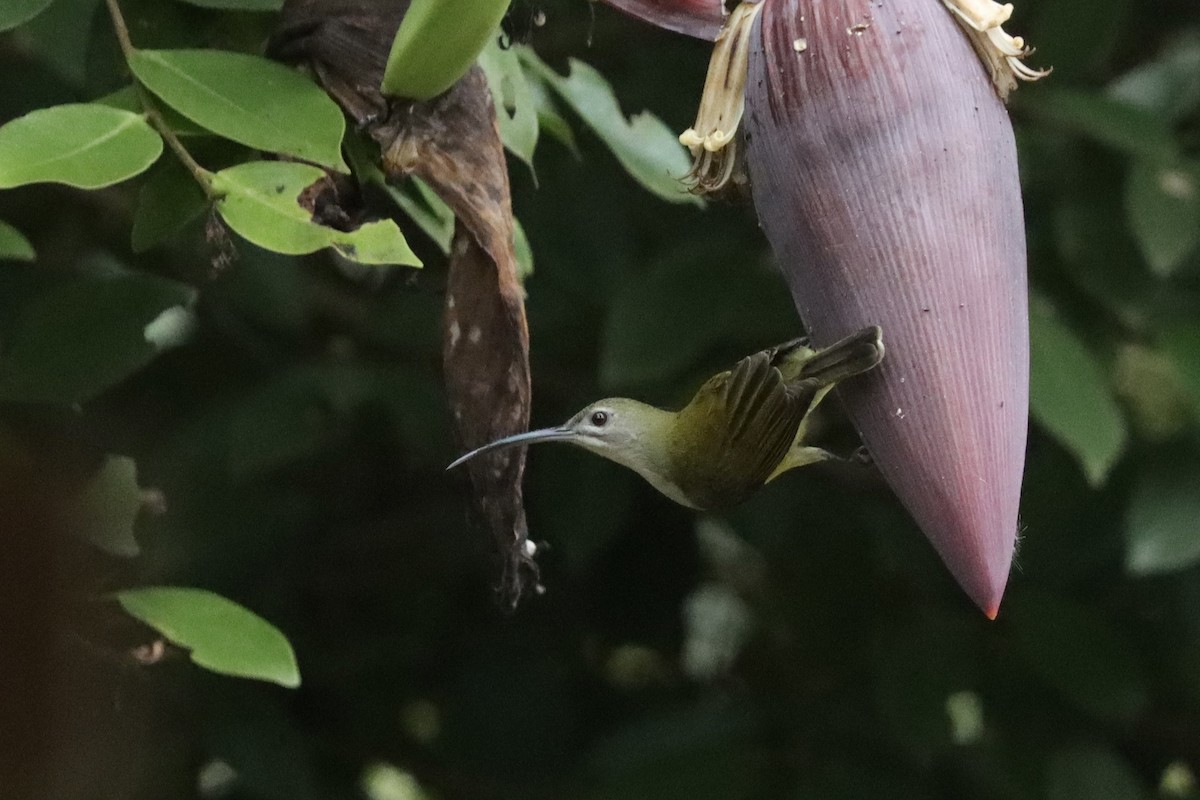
<point x="260" y="203"/>
<point x="1080" y="652"/>
<point x="1181" y="341"/>
<point x="16" y="12"/>
<point x="248" y="99"/>
<point x="516" y="113"/>
<point x="1151" y="388"/>
<point x="169" y="199"/>
<point x="437" y="43"/>
<point x="1101" y="257"/>
<point x="74" y="340"/>
<point x="84" y="145"/>
<point x="1069" y="394"/>
<point x="60" y="36"/>
<point x="1163" y="527"/>
<point x="106" y="508"/>
<point x="687" y="306"/>
<point x="13" y="245"/>
<point x="222" y="636"/>
<point x="549" y="119"/>
<point x="1092" y="772"/>
<point x="1105" y="120"/>
<point x="1163" y="203"/>
<point x="646" y="148"/>
<point x="1170" y="84"/>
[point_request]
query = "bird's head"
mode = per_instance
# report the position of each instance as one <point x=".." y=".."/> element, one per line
<point x="621" y="430"/>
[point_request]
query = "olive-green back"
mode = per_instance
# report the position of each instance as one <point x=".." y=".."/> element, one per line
<point x="738" y="427"/>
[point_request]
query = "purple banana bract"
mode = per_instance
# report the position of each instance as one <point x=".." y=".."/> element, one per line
<point x="883" y="169"/>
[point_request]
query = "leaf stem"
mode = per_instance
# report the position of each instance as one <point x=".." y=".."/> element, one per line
<point x="153" y="115"/>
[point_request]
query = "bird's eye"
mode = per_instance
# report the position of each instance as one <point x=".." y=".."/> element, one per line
<point x="600" y="418"/>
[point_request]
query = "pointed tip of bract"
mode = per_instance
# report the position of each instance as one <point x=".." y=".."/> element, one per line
<point x="971" y="524"/>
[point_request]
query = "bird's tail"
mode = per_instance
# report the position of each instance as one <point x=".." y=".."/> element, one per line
<point x="853" y="355"/>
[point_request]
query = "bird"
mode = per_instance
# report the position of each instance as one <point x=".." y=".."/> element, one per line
<point x="742" y="429"/>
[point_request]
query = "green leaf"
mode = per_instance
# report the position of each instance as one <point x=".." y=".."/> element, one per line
<point x="1169" y="85"/>
<point x="84" y="145"/>
<point x="516" y="112"/>
<point x="1163" y="529"/>
<point x="1079" y="651"/>
<point x="646" y="148"/>
<point x="1110" y="122"/>
<point x="260" y="203"/>
<point x="106" y="508"/>
<point x="1091" y="772"/>
<point x="77" y="339"/>
<point x="238" y="5"/>
<point x="222" y="636"/>
<point x="17" y="12"/>
<point x="248" y="99"/>
<point x="378" y="242"/>
<point x="1151" y="388"/>
<point x="13" y="245"/>
<point x="549" y="118"/>
<point x="1181" y="341"/>
<point x="60" y="37"/>
<point x="437" y="43"/>
<point x="1069" y="394"/>
<point x="1163" y="203"/>
<point x="523" y="250"/>
<point x="170" y="199"/>
<point x="425" y="209"/>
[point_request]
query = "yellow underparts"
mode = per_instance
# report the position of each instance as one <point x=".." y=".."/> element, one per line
<point x="712" y="138"/>
<point x="1002" y="54"/>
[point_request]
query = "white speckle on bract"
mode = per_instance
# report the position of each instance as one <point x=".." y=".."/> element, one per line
<point x="455" y="334"/>
<point x="475" y="334"/>
<point x="800" y="45"/>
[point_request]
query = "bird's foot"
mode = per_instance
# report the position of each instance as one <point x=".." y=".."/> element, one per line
<point x="862" y="457"/>
<point x="1001" y="53"/>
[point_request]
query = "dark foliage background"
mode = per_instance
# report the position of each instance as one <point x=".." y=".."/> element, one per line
<point x="807" y="645"/>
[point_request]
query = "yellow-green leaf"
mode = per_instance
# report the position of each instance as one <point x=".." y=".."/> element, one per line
<point x="222" y="636"/>
<point x="248" y="99"/>
<point x="85" y="145"/>
<point x="260" y="204"/>
<point x="437" y="43"/>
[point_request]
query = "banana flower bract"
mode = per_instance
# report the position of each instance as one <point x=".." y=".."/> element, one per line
<point x="883" y="168"/>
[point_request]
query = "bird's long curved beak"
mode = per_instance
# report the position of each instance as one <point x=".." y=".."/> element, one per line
<point x="529" y="437"/>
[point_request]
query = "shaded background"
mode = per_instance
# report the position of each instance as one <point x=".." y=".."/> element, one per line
<point x="806" y="645"/>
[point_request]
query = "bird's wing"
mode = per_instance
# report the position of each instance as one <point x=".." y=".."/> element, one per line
<point x="741" y="423"/>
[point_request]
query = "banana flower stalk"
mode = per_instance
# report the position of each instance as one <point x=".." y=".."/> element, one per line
<point x="883" y="169"/>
